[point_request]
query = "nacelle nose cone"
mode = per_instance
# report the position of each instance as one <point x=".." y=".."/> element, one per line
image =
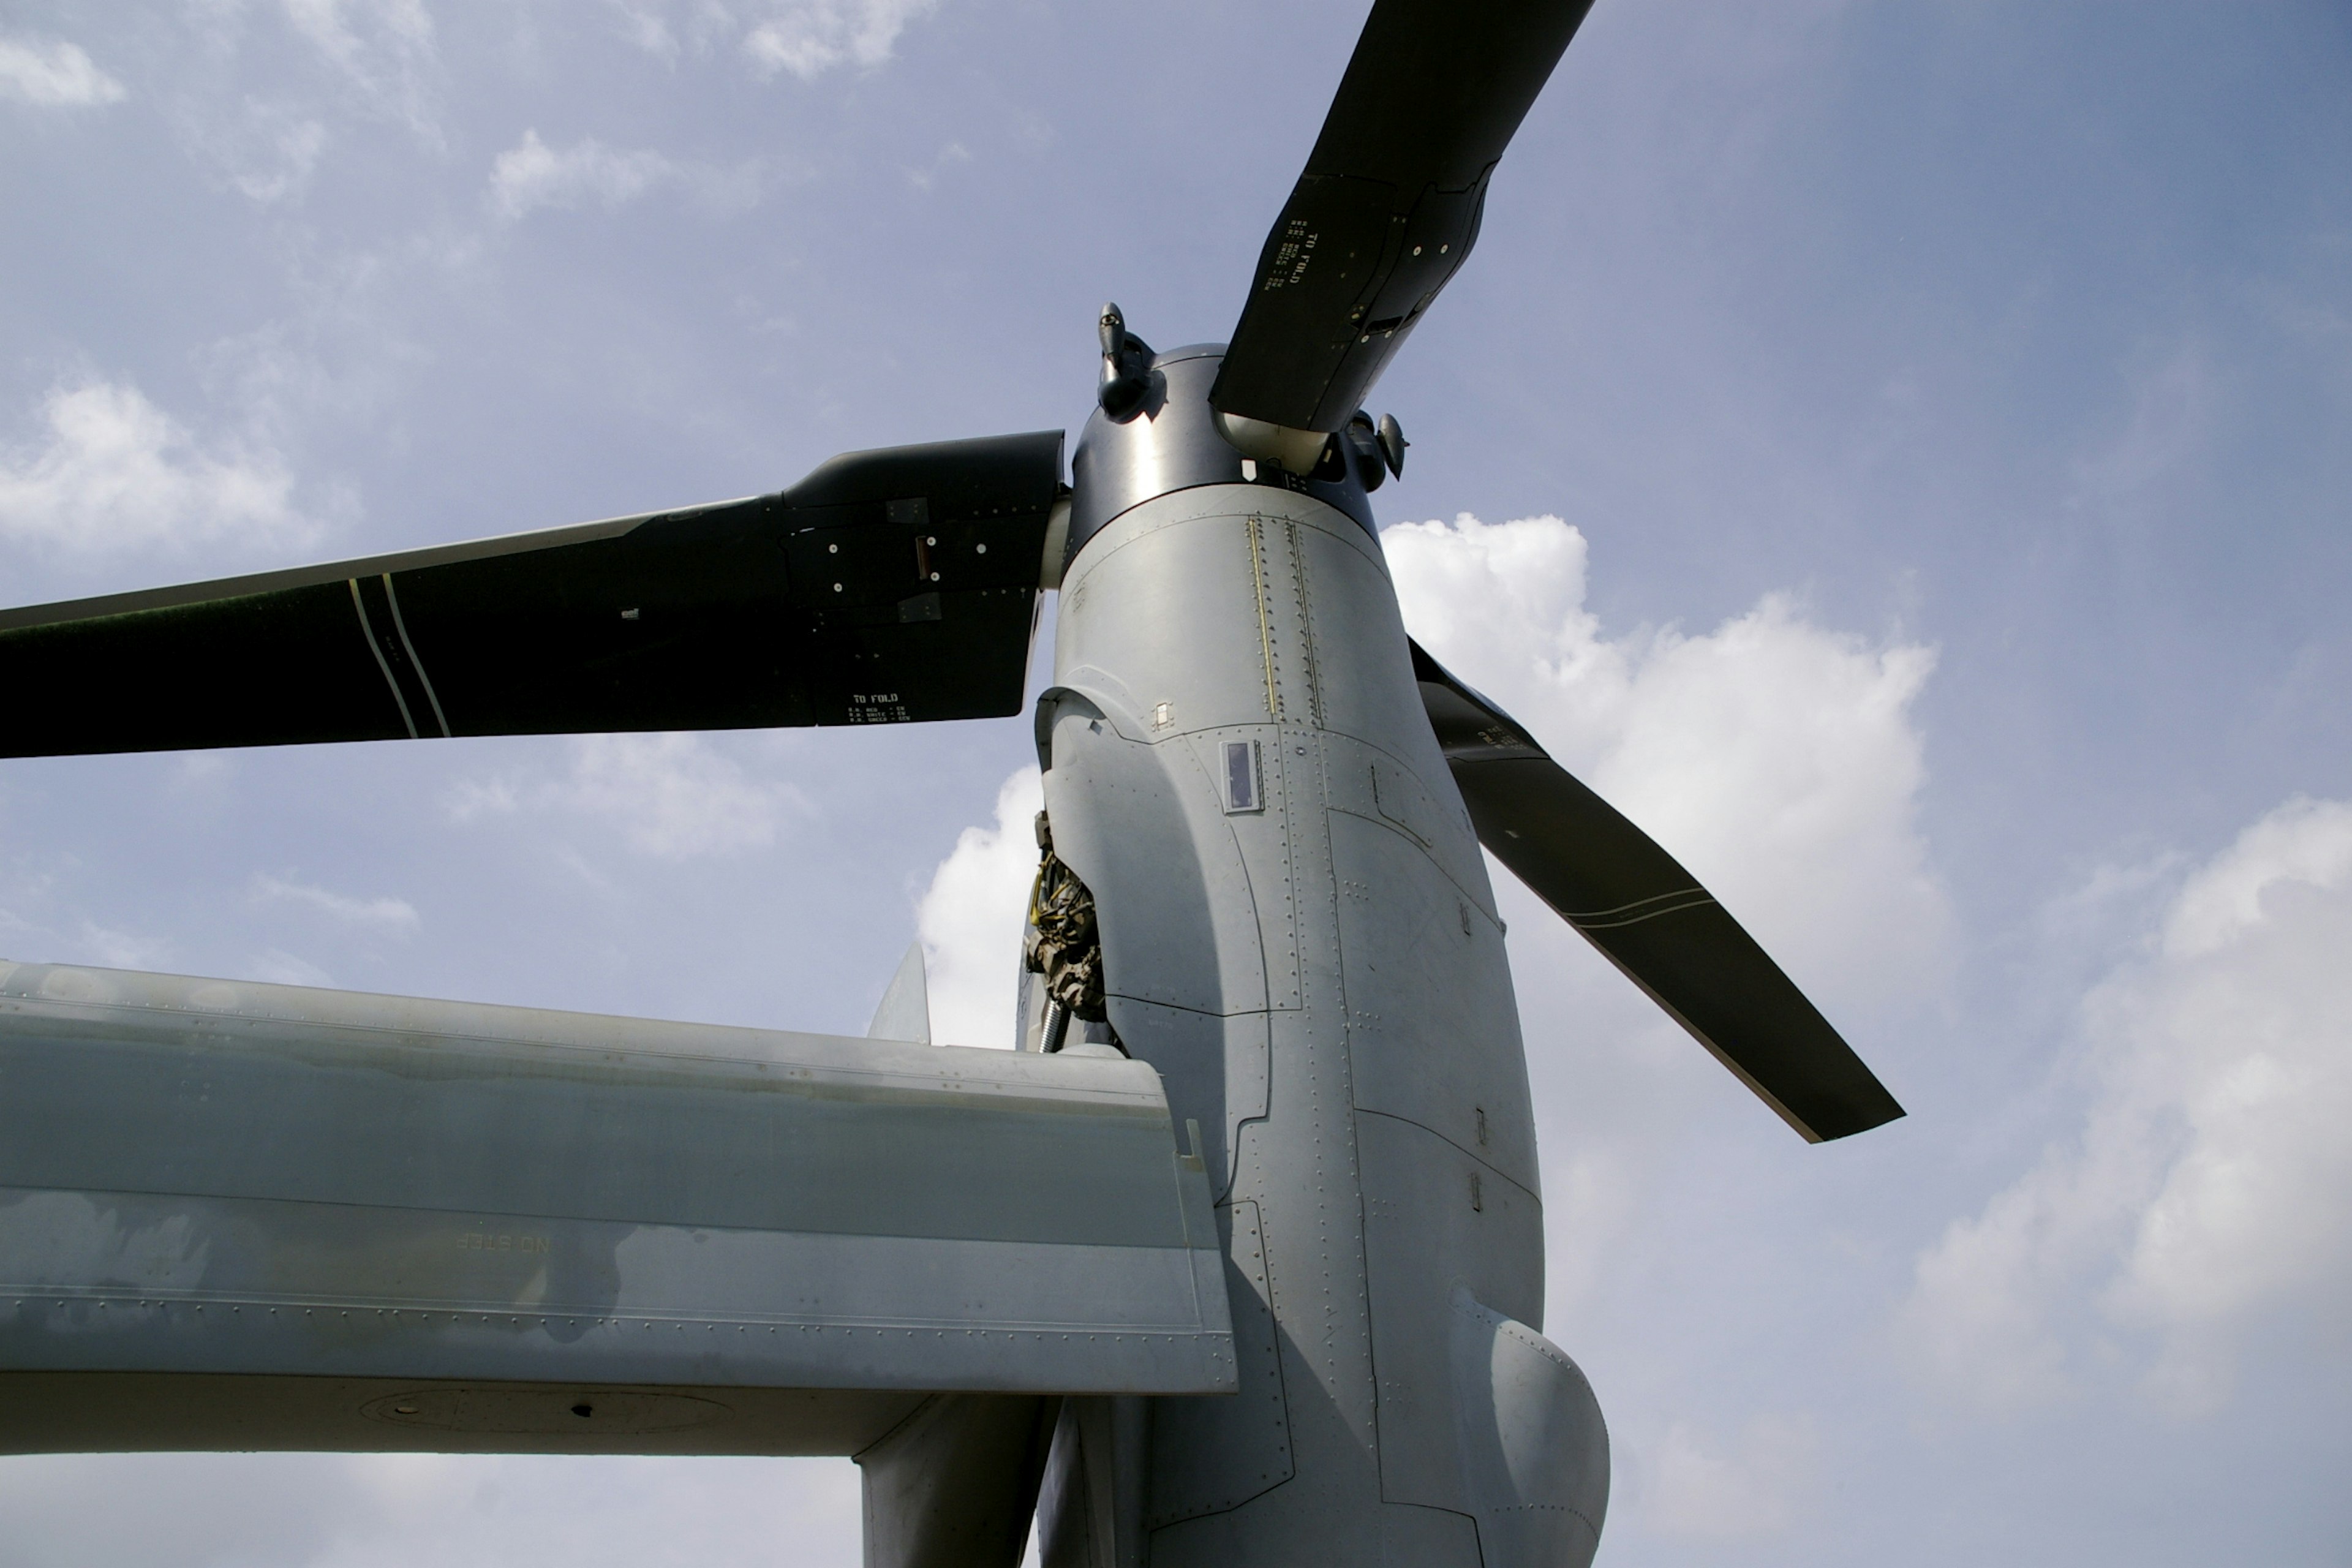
<point x="1172" y="441"/>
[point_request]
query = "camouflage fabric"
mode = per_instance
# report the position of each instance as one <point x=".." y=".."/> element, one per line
<point x="1063" y="943"/>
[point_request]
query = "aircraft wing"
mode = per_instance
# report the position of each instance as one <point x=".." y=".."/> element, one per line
<point x="252" y="1216"/>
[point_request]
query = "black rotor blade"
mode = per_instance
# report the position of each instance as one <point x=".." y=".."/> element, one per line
<point x="1390" y="203"/>
<point x="1635" y="901"/>
<point x="888" y="586"/>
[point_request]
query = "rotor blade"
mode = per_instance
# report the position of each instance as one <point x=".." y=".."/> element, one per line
<point x="887" y="586"/>
<point x="1635" y="901"/>
<point x="1390" y="203"/>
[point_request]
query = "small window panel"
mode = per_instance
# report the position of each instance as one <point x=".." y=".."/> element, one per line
<point x="1242" y="785"/>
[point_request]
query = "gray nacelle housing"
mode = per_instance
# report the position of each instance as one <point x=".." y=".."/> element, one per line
<point x="1169" y="443"/>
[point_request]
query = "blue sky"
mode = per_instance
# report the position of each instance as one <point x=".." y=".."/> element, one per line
<point x="1906" y="447"/>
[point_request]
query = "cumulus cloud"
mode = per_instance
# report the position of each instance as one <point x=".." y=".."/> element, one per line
<point x="970" y="918"/>
<point x="384" y="1511"/>
<point x="677" y="794"/>
<point x="1593" y="1184"/>
<point x="383" y="48"/>
<point x="55" y="74"/>
<point x="2167" y="433"/>
<point x="2208" y="1193"/>
<point x="276" y="966"/>
<point x="1688" y="1490"/>
<point x="533" y="174"/>
<point x="804" y="37"/>
<point x="110" y="948"/>
<point x="111" y="471"/>
<point x="673" y="796"/>
<point x="644" y="25"/>
<point x="952" y="155"/>
<point x="809" y="37"/>
<point x="1777" y="759"/>
<point x="266" y="151"/>
<point x="393" y="916"/>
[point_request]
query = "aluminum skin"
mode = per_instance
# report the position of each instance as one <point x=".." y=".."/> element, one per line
<point x="259" y="1217"/>
<point x="1300" y="935"/>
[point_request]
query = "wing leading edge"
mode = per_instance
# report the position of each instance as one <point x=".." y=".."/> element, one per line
<point x="253" y="1216"/>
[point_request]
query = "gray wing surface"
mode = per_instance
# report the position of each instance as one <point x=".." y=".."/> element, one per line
<point x="245" y="1215"/>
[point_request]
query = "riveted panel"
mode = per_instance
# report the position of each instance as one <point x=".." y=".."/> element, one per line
<point x="1144" y="827"/>
<point x="1434" y="1216"/>
<point x="1221" y="1453"/>
<point x="1433" y="1025"/>
<point x="280" y="1185"/>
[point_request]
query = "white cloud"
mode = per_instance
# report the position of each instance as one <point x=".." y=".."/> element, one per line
<point x="276" y="966"/>
<point x="1592" y="1182"/>
<point x="396" y="916"/>
<point x="809" y="37"/>
<point x="533" y="174"/>
<point x="643" y="26"/>
<point x="804" y="37"/>
<point x="2207" y="1194"/>
<point x="390" y="1511"/>
<point x="111" y="949"/>
<point x="266" y="151"/>
<point x="468" y="800"/>
<point x="115" y="472"/>
<point x="57" y="75"/>
<point x="2168" y="432"/>
<point x="971" y="919"/>
<point x="2303" y="843"/>
<point x="1688" y="1491"/>
<point x="952" y="155"/>
<point x="1777" y="759"/>
<point x="383" y="48"/>
<point x="677" y="796"/>
<point x="673" y="796"/>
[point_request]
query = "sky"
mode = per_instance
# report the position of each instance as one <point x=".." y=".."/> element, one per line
<point x="1897" y="452"/>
